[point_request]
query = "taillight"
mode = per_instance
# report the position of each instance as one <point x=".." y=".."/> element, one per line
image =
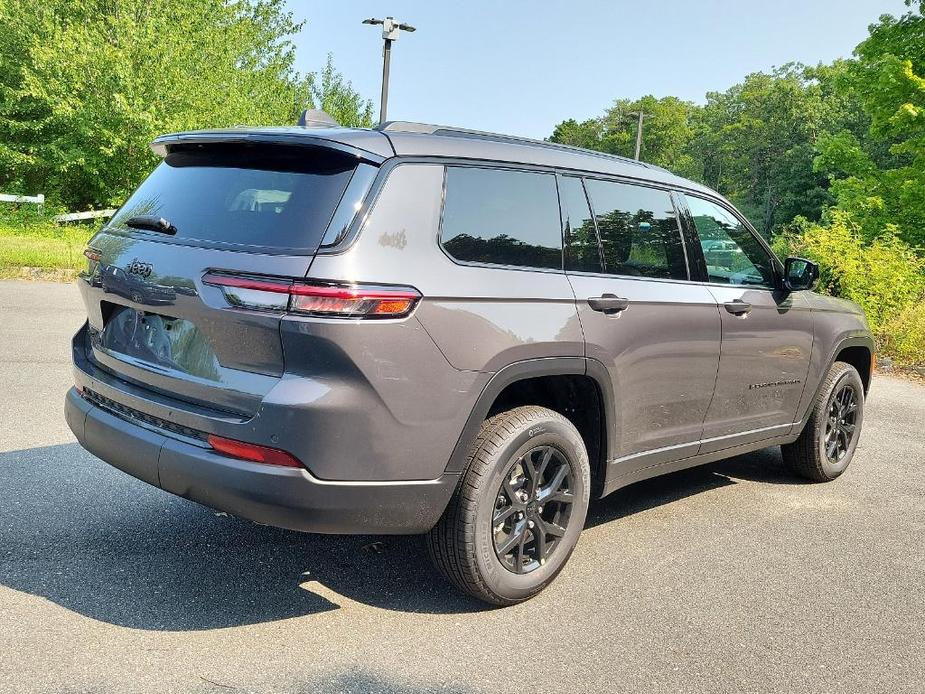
<point x="339" y="301"/>
<point x="243" y="292"/>
<point x="92" y="254"/>
<point x="253" y="452"/>
<point x="352" y="301"/>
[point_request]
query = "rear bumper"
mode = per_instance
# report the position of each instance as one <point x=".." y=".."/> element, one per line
<point x="282" y="497"/>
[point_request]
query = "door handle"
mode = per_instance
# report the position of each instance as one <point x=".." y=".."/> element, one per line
<point x="608" y="303"/>
<point x="738" y="307"/>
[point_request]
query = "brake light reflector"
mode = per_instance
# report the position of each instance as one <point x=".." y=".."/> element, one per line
<point x="389" y="307"/>
<point x="340" y="301"/>
<point x="253" y="452"/>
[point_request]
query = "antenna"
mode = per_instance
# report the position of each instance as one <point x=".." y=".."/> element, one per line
<point x="316" y="118"/>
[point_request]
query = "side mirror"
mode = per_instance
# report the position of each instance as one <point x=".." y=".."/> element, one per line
<point x="800" y="274"/>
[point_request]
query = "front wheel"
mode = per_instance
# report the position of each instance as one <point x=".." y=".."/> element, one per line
<point x="519" y="508"/>
<point x="827" y="443"/>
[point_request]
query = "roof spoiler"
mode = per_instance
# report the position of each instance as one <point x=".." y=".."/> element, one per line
<point x="317" y="118"/>
<point x="290" y="137"/>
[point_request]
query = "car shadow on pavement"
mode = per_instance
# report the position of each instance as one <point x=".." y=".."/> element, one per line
<point x="362" y="679"/>
<point x="348" y="680"/>
<point x="96" y="541"/>
<point x="103" y="544"/>
<point x="765" y="466"/>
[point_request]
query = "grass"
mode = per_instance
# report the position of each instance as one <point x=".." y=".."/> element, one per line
<point x="44" y="246"/>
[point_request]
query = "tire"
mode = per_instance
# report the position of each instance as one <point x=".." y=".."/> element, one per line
<point x="811" y="455"/>
<point x="496" y="502"/>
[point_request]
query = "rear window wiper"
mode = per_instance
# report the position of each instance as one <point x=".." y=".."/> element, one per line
<point x="151" y="223"/>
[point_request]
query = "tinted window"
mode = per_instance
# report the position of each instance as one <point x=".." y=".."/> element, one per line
<point x="263" y="196"/>
<point x="351" y="204"/>
<point x="733" y="255"/>
<point x="502" y="217"/>
<point x="639" y="230"/>
<point x="582" y="252"/>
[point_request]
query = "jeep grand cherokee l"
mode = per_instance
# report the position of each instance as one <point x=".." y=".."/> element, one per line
<point x="419" y="329"/>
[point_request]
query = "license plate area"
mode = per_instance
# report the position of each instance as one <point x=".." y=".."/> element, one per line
<point x="174" y="344"/>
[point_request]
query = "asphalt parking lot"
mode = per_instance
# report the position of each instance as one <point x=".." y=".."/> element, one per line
<point x="733" y="577"/>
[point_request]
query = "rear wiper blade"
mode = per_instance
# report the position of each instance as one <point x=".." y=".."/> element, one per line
<point x="151" y="223"/>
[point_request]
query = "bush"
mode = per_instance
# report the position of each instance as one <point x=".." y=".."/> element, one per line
<point x="27" y="215"/>
<point x="905" y="336"/>
<point x="885" y="277"/>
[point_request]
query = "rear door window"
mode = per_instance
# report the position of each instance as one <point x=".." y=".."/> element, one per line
<point x="582" y="251"/>
<point x="639" y="230"/>
<point x="266" y="196"/>
<point x="502" y="217"/>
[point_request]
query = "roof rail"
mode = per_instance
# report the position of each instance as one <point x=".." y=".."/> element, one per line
<point x="404" y="126"/>
<point x="398" y="126"/>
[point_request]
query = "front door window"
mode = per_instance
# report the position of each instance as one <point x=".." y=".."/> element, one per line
<point x="732" y="254"/>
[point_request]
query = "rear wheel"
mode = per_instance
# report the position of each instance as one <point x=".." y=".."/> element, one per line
<point x="518" y="510"/>
<point x="827" y="443"/>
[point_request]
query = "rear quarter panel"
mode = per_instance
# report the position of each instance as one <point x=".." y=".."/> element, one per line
<point x="482" y="318"/>
<point x="401" y="392"/>
<point x="407" y="387"/>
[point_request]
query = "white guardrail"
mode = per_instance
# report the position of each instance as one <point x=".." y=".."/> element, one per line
<point x="72" y="217"/>
<point x="77" y="216"/>
<point x="36" y="199"/>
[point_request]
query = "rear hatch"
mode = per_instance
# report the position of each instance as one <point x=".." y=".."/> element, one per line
<point x="247" y="208"/>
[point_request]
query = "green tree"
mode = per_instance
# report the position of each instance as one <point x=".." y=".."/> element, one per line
<point x="756" y="142"/>
<point x="833" y="156"/>
<point x="877" y="176"/>
<point x="86" y="84"/>
<point x="667" y="125"/>
<point x="329" y="91"/>
<point x="588" y="134"/>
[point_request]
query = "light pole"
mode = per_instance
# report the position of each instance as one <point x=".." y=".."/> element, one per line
<point x="640" y="116"/>
<point x="390" y="31"/>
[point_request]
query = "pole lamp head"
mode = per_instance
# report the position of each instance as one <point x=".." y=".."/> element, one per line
<point x="391" y="28"/>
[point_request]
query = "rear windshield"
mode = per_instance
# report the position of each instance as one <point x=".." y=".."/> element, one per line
<point x="264" y="196"/>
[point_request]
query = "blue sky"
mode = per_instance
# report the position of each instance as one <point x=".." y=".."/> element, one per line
<point x="521" y="67"/>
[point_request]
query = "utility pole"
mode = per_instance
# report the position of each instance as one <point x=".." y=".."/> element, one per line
<point x="390" y="31"/>
<point x="640" y="115"/>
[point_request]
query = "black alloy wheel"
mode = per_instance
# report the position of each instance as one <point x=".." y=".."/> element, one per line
<point x="841" y="424"/>
<point x="532" y="509"/>
<point x="519" y="508"/>
<point x="826" y="445"/>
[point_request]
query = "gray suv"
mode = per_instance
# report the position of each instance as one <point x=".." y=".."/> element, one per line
<point x="421" y="329"/>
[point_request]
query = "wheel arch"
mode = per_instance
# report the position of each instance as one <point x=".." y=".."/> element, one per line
<point x="560" y="383"/>
<point x="860" y="356"/>
<point x="853" y="349"/>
